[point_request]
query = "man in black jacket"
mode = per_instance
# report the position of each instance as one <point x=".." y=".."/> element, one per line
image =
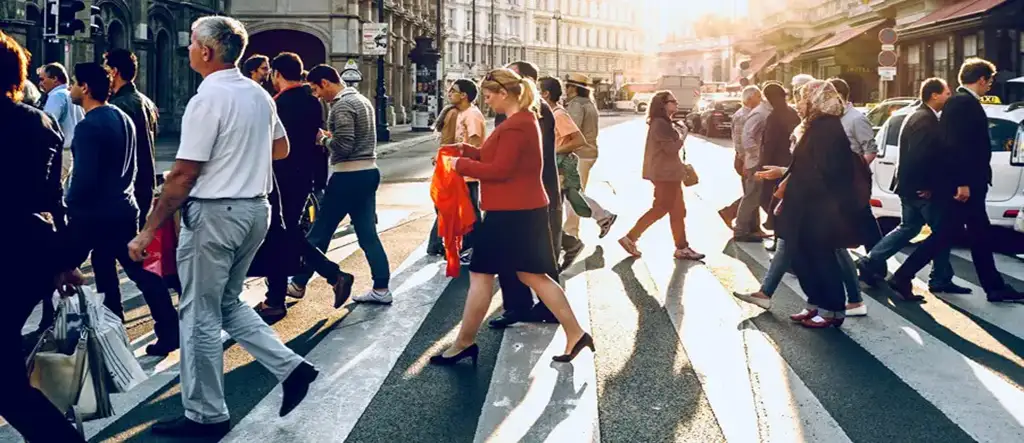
<point x="123" y="65"/>
<point x="516" y="296"/>
<point x="964" y="126"/>
<point x="34" y="215"/>
<point x="919" y="181"/>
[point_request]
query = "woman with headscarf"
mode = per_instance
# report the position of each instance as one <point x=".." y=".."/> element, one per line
<point x="817" y="204"/>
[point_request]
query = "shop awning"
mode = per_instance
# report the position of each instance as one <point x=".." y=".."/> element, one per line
<point x="844" y="36"/>
<point x="957" y="10"/>
<point x="789" y="58"/>
<point x="758" y="62"/>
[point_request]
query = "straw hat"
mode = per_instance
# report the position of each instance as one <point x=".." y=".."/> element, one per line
<point x="579" y="80"/>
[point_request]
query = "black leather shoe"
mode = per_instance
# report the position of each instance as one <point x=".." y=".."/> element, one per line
<point x="1005" y="295"/>
<point x="541" y="314"/>
<point x="508" y="318"/>
<point x="867" y="275"/>
<point x="161" y="348"/>
<point x="185" y="428"/>
<point x="950" y="288"/>
<point x="905" y="290"/>
<point x="296" y="386"/>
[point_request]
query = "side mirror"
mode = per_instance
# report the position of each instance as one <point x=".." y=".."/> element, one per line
<point x="1017" y="150"/>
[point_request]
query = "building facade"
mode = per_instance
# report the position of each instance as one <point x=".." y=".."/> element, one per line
<point x="331" y="32"/>
<point x="158" y="31"/>
<point x="492" y="38"/>
<point x="839" y="38"/>
<point x="710" y="58"/>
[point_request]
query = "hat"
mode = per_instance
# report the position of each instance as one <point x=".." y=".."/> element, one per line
<point x="579" y="80"/>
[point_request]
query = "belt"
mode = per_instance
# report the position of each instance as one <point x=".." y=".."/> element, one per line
<point x="199" y="199"/>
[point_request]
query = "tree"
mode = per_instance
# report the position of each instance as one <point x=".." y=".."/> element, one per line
<point x="712" y="25"/>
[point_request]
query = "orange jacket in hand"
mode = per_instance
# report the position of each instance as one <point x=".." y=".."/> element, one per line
<point x="455" y="216"/>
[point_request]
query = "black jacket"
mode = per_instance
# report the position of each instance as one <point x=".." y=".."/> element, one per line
<point x="923" y="155"/>
<point x="966" y="129"/>
<point x="549" y="175"/>
<point x="301" y="114"/>
<point x="143" y="113"/>
<point x="34" y="208"/>
<point x="778" y="128"/>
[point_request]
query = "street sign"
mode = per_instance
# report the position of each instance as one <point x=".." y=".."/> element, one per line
<point x="888" y="47"/>
<point x="888" y="36"/>
<point x="887" y="73"/>
<point x="375" y="38"/>
<point x="887" y="58"/>
<point x="350" y="73"/>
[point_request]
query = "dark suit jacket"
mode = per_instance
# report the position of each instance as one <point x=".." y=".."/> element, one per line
<point x="923" y="155"/>
<point x="549" y="175"/>
<point x="966" y="128"/>
<point x="775" y="146"/>
<point x="143" y="113"/>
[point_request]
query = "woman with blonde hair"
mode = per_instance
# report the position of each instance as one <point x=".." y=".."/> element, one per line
<point x="664" y="168"/>
<point x="514" y="234"/>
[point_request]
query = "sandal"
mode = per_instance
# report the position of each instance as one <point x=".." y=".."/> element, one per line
<point x="630" y="246"/>
<point x="688" y="254"/>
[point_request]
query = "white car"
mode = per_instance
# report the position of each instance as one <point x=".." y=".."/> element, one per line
<point x="1006" y="195"/>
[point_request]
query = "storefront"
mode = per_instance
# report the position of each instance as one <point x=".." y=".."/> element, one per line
<point x="937" y="44"/>
<point x="850" y="54"/>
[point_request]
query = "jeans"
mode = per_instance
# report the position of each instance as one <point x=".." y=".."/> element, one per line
<point x="293" y="194"/>
<point x="776" y="269"/>
<point x="107" y="240"/>
<point x="353" y="194"/>
<point x="850" y="281"/>
<point x="916" y="212"/>
<point x="952" y="216"/>
<point x="218" y="244"/>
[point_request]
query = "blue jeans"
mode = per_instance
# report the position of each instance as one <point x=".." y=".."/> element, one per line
<point x="916" y="212"/>
<point x="353" y="194"/>
<point x="776" y="269"/>
<point x="849" y="271"/>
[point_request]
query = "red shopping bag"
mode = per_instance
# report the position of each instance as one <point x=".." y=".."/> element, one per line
<point x="161" y="258"/>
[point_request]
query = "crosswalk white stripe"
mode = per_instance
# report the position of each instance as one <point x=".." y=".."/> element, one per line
<point x="527" y="390"/>
<point x="984" y="405"/>
<point x="1011" y="266"/>
<point x="354" y="361"/>
<point x="1006" y="316"/>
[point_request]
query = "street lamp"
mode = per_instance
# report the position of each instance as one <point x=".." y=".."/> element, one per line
<point x="558" y="43"/>
<point x="383" y="133"/>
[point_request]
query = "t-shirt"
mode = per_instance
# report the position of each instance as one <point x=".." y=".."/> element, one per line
<point x="470" y="123"/>
<point x="564" y="126"/>
<point x="229" y="126"/>
<point x="103" y="177"/>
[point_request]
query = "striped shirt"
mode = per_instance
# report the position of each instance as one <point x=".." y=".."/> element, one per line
<point x="353" y="142"/>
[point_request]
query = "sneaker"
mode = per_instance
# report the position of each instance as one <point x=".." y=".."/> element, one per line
<point x="859" y="311"/>
<point x="343" y="288"/>
<point x="606" y="224"/>
<point x="372" y="296"/>
<point x="630" y="246"/>
<point x="571" y="253"/>
<point x="295" y="291"/>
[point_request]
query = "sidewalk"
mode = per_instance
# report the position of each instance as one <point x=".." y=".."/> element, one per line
<point x="402" y="136"/>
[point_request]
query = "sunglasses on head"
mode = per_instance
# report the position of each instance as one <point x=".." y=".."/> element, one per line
<point x="490" y="78"/>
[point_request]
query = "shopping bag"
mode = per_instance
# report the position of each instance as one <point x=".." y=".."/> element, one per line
<point x="70" y="372"/>
<point x="124" y="370"/>
<point x="161" y="257"/>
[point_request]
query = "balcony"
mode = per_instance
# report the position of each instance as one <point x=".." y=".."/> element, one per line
<point x="786" y="26"/>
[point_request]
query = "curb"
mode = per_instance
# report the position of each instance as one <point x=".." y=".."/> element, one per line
<point x="391" y="147"/>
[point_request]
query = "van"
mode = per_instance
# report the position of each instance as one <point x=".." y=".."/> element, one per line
<point x="686" y="88"/>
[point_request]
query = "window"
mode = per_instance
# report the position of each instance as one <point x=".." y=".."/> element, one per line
<point x="915" y="72"/>
<point x="492" y="23"/>
<point x="970" y="46"/>
<point x="450" y="18"/>
<point x="451" y="52"/>
<point x="469" y="22"/>
<point x="1002" y="133"/>
<point x="581" y="36"/>
<point x="940" y="58"/>
<point x="462" y="52"/>
<point x="892" y="134"/>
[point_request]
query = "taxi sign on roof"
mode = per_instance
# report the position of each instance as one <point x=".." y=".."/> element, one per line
<point x="991" y="100"/>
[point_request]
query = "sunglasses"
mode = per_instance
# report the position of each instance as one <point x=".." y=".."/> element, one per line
<point x="490" y="78"/>
<point x="671" y="101"/>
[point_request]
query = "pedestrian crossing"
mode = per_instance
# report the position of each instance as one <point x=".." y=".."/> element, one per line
<point x="678" y="358"/>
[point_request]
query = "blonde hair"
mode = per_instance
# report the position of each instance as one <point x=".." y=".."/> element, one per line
<point x="522" y="88"/>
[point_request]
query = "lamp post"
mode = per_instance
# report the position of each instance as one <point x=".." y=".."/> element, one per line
<point x="383" y="133"/>
<point x="558" y="43"/>
<point x="441" y="61"/>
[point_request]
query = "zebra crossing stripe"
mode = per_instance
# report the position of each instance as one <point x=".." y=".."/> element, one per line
<point x="985" y="406"/>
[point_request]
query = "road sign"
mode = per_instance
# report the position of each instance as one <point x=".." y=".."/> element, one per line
<point x="375" y="38"/>
<point x="350" y="73"/>
<point x="887" y="73"/>
<point x="887" y="58"/>
<point x="888" y="36"/>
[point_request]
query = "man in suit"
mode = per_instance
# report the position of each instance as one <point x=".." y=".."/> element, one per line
<point x="516" y="296"/>
<point x="923" y="163"/>
<point x="966" y="178"/>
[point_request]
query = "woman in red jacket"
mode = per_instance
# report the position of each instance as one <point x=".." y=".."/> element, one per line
<point x="514" y="233"/>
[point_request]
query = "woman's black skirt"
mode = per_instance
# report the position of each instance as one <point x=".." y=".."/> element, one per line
<point x="516" y="241"/>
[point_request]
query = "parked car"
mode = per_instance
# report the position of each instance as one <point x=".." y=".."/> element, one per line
<point x="716" y="119"/>
<point x="1006" y="195"/>
<point x="880" y="113"/>
<point x="641" y="100"/>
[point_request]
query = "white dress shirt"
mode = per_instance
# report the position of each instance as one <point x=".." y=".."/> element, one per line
<point x="229" y="126"/>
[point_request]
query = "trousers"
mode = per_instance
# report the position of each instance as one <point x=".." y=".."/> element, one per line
<point x="219" y="239"/>
<point x="572" y="221"/>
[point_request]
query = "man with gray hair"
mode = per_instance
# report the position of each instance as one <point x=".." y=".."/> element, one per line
<point x="747" y="136"/>
<point x="230" y="134"/>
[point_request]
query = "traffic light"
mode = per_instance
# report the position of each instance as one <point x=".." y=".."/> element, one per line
<point x="95" y="21"/>
<point x="67" y="24"/>
<point x="50" y="12"/>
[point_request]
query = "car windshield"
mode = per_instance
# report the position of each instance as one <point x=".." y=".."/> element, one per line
<point x="880" y="113"/>
<point x="728" y="106"/>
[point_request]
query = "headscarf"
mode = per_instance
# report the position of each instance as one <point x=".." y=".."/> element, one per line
<point x="819" y="98"/>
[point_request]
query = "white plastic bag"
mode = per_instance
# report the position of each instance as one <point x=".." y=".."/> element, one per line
<point x="1018" y="224"/>
<point x="124" y="370"/>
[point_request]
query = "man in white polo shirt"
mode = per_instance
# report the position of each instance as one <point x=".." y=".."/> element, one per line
<point x="230" y="134"/>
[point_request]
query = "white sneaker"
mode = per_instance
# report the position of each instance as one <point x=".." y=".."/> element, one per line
<point x="372" y="296"/>
<point x="859" y="311"/>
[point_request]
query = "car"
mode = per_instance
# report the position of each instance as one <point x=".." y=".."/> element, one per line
<point x="1006" y="195"/>
<point x="880" y="113"/>
<point x="641" y="100"/>
<point x="716" y="118"/>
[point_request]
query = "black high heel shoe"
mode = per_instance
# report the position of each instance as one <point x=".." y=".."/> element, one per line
<point x="472" y="352"/>
<point x="586" y="341"/>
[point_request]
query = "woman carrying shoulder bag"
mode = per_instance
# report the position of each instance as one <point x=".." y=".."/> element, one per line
<point x="664" y="168"/>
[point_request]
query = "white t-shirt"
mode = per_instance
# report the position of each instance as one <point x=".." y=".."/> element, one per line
<point x="229" y="126"/>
